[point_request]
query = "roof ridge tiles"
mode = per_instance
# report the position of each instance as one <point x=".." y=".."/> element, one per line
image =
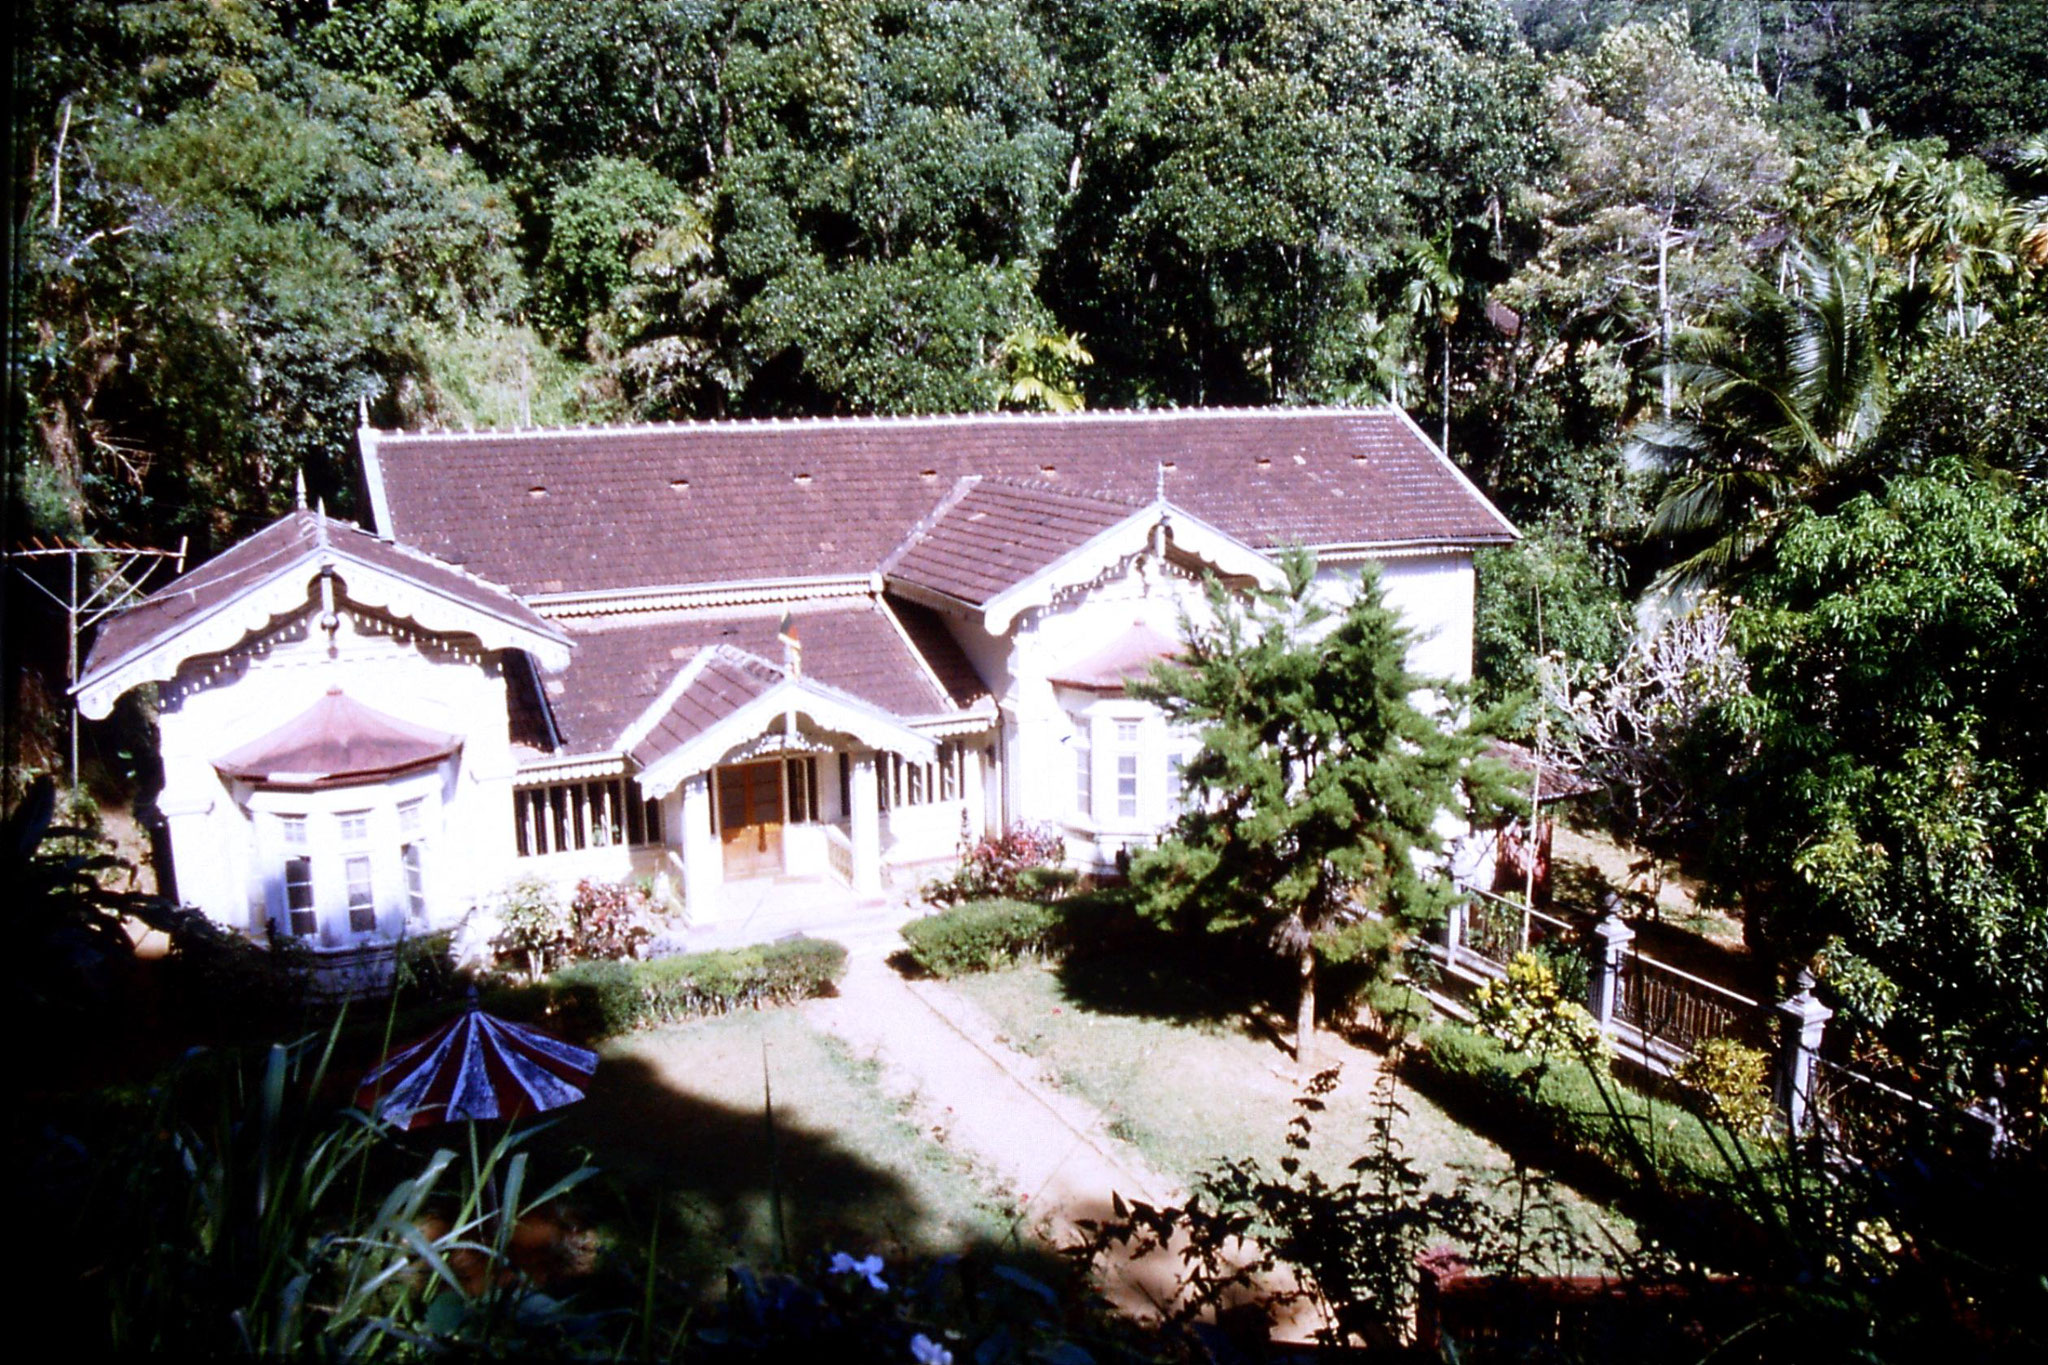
<point x="775" y="422"/>
<point x="927" y="523"/>
<point x="1087" y="494"/>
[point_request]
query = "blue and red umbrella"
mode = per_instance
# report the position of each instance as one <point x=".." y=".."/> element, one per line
<point x="477" y="1067"/>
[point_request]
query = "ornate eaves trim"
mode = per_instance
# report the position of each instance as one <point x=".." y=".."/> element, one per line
<point x="827" y="709"/>
<point x="290" y="588"/>
<point x="1191" y="535"/>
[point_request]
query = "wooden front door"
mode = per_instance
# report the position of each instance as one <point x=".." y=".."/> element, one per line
<point x="750" y="819"/>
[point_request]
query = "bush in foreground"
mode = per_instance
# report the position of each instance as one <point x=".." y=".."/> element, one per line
<point x="619" y="997"/>
<point x="1023" y="863"/>
<point x="1562" y="1103"/>
<point x="983" y="936"/>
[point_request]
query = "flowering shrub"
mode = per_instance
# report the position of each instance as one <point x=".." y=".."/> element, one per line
<point x="534" y="924"/>
<point x="1734" y="1080"/>
<point x="1527" y="1011"/>
<point x="609" y="923"/>
<point x="1024" y="864"/>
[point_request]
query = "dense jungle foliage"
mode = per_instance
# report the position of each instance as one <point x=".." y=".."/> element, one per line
<point x="238" y="220"/>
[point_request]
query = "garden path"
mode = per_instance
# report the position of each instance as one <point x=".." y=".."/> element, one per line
<point x="968" y="1088"/>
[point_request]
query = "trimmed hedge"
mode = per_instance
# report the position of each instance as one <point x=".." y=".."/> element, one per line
<point x="604" y="998"/>
<point x="982" y="936"/>
<point x="1561" y="1104"/>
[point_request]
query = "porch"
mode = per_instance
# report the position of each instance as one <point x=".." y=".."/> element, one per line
<point x="760" y="839"/>
<point x="764" y="909"/>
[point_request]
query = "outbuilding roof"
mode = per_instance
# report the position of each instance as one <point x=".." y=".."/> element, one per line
<point x="568" y="511"/>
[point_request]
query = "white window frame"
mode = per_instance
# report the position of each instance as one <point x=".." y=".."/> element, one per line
<point x="310" y="927"/>
<point x="412" y="867"/>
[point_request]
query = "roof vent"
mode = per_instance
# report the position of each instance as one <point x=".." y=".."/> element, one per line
<point x="1168" y="465"/>
<point x="927" y="474"/>
<point x="803" y="478"/>
<point x="1048" y="470"/>
<point x="1265" y="462"/>
<point x="679" y="485"/>
<point x="537" y="491"/>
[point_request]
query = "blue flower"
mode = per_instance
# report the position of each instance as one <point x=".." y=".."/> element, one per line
<point x="868" y="1267"/>
<point x="925" y="1351"/>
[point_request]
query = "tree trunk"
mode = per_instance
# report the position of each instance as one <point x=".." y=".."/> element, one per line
<point x="1664" y="315"/>
<point x="1305" y="1013"/>
<point x="1447" y="388"/>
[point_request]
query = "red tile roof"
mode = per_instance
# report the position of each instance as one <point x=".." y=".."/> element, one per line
<point x="991" y="534"/>
<point x="718" y="681"/>
<point x="622" y="664"/>
<point x="931" y="638"/>
<point x="1559" y="783"/>
<point x="337" y="742"/>
<point x="1130" y="655"/>
<point x="298" y="536"/>
<point x="725" y="681"/>
<point x="703" y="502"/>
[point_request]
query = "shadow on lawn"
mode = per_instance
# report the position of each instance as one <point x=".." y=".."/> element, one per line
<point x="1212" y="982"/>
<point x="710" y="1175"/>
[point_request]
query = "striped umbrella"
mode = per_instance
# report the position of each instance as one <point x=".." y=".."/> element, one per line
<point x="477" y="1067"/>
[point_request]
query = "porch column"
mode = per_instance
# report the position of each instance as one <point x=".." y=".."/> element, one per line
<point x="864" y="827"/>
<point x="197" y="865"/>
<point x="703" y="863"/>
<point x="972" y="791"/>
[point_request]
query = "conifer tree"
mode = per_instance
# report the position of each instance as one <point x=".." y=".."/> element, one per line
<point x="1321" y="790"/>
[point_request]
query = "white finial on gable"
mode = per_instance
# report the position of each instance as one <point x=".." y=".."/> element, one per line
<point x="302" y="490"/>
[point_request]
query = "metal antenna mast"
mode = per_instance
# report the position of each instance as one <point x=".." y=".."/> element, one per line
<point x="112" y="579"/>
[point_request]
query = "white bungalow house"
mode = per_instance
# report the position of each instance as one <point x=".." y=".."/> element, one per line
<point x="717" y="651"/>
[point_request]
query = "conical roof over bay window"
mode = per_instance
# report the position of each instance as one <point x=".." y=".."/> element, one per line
<point x="337" y="742"/>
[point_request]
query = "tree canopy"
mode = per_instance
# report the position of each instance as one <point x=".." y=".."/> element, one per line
<point x="1323" y="790"/>
<point x="1888" y="804"/>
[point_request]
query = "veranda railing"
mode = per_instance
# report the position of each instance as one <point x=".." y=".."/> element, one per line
<point x="839" y="854"/>
<point x="1492" y="929"/>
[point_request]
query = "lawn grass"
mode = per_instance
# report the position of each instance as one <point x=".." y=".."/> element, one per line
<point x="677" y="1120"/>
<point x="1189" y="1091"/>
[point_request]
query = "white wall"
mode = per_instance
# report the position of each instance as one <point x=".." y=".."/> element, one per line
<point x="226" y="865"/>
<point x="1432" y="592"/>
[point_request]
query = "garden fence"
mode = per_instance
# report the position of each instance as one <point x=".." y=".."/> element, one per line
<point x="1660" y="1015"/>
<point x="1675" y="1009"/>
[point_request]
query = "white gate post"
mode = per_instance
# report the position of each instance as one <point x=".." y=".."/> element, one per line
<point x="1454" y="929"/>
<point x="1804" y="1021"/>
<point x="1611" y="940"/>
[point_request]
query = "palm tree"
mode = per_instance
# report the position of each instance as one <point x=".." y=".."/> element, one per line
<point x="1436" y="294"/>
<point x="1948" y="225"/>
<point x="1779" y="399"/>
